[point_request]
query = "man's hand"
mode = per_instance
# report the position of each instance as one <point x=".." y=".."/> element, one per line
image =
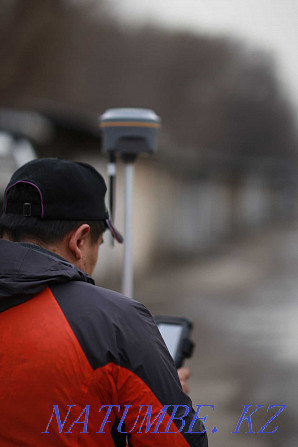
<point x="184" y="374"/>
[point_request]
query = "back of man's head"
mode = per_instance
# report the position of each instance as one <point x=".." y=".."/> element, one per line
<point x="48" y="198"/>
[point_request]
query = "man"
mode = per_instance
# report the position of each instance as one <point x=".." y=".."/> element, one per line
<point x="80" y="365"/>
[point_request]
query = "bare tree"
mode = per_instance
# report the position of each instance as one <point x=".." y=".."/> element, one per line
<point x="215" y="96"/>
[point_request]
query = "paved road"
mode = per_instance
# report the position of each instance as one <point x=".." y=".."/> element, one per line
<point x="243" y="301"/>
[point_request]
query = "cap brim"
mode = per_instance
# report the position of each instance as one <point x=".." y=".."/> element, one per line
<point x="115" y="233"/>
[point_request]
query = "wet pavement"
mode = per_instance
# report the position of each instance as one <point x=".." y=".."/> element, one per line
<point x="243" y="301"/>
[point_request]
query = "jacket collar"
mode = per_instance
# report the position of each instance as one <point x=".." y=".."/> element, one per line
<point x="26" y="269"/>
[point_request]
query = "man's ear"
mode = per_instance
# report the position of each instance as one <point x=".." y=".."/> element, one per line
<point x="78" y="239"/>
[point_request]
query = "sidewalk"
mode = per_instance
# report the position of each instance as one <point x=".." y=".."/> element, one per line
<point x="243" y="302"/>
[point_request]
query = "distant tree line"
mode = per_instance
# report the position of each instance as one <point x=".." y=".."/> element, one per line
<point x="217" y="97"/>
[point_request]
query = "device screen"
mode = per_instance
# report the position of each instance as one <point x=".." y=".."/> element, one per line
<point x="171" y="334"/>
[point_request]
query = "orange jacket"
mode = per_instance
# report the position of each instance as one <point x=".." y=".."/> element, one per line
<point x="81" y="365"/>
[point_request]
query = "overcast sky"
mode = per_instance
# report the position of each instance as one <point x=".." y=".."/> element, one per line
<point x="271" y="24"/>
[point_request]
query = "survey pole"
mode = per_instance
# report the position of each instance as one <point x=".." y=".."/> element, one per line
<point x="127" y="278"/>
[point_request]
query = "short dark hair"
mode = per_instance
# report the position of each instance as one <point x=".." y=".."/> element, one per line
<point x="46" y="231"/>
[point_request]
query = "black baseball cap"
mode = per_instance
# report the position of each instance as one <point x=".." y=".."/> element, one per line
<point x="68" y="190"/>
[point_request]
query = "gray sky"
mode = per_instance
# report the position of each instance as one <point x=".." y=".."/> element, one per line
<point x="271" y="24"/>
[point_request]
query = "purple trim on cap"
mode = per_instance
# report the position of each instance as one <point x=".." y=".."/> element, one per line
<point x="28" y="183"/>
<point x="115" y="233"/>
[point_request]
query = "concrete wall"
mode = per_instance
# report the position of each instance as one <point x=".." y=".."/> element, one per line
<point x="177" y="216"/>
